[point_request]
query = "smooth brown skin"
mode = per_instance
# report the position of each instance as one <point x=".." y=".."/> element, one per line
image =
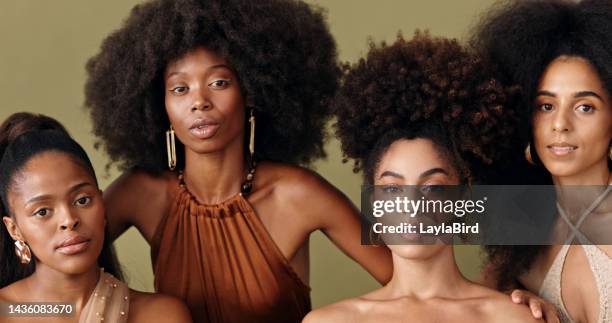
<point x="427" y="285"/>
<point x="71" y="205"/>
<point x="574" y="107"/>
<point x="292" y="202"/>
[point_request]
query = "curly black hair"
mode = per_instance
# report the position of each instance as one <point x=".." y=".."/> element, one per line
<point x="424" y="88"/>
<point x="281" y="50"/>
<point x="521" y="38"/>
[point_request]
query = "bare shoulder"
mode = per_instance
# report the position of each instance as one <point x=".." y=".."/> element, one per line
<point x="303" y="192"/>
<point x="14" y="292"/>
<point x="148" y="307"/>
<point x="343" y="311"/>
<point x="293" y="180"/>
<point x="139" y="181"/>
<point x="499" y="308"/>
<point x="139" y="198"/>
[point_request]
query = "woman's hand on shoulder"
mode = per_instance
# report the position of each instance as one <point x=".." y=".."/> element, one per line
<point x="538" y="307"/>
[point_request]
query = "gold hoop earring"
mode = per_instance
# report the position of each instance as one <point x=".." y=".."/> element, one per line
<point x="171" y="148"/>
<point x="252" y="135"/>
<point x="23" y="252"/>
<point x="528" y="154"/>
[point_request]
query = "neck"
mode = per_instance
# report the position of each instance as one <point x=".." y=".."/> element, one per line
<point x="47" y="283"/>
<point x="596" y="175"/>
<point x="435" y="277"/>
<point x="215" y="177"/>
<point x="575" y="199"/>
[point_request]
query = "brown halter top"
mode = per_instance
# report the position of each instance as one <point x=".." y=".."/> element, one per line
<point x="223" y="263"/>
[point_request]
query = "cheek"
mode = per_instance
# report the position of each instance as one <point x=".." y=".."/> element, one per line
<point x="38" y="235"/>
<point x="539" y="128"/>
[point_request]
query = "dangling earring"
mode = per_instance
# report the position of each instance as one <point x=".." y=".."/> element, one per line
<point x="171" y="148"/>
<point x="528" y="154"/>
<point x="23" y="252"/>
<point x="252" y="136"/>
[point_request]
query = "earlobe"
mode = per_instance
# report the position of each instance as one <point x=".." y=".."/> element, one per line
<point x="11" y="227"/>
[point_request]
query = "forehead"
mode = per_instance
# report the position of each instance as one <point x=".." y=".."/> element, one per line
<point x="50" y="173"/>
<point x="571" y="74"/>
<point x="196" y="59"/>
<point x="411" y="157"/>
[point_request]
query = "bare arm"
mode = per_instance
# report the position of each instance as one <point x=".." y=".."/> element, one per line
<point x="327" y="209"/>
<point x="158" y="308"/>
<point x="136" y="198"/>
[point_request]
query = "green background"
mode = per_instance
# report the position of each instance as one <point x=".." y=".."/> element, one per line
<point x="44" y="45"/>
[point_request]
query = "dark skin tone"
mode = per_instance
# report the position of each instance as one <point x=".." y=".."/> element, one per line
<point x="52" y="199"/>
<point x="207" y="110"/>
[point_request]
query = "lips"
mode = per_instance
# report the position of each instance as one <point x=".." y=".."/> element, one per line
<point x="561" y="149"/>
<point x="204" y="128"/>
<point x="73" y="245"/>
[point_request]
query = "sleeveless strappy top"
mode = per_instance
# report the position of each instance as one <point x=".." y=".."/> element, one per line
<point x="599" y="261"/>
<point x="223" y="263"/>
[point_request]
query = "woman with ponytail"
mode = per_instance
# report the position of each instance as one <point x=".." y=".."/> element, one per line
<point x="53" y="245"/>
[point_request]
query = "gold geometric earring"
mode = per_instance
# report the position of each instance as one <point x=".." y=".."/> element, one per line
<point x="528" y="154"/>
<point x="252" y="135"/>
<point x="23" y="252"/>
<point x="171" y="148"/>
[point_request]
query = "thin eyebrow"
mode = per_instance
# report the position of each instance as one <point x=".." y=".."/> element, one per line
<point x="47" y="196"/>
<point x="546" y="93"/>
<point x="583" y="94"/>
<point x="391" y="174"/>
<point x="217" y="66"/>
<point x="433" y="171"/>
<point x="580" y="94"/>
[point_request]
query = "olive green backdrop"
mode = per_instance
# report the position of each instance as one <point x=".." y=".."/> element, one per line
<point x="44" y="45"/>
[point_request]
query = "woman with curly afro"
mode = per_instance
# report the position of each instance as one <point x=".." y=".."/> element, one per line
<point x="560" y="54"/>
<point x="231" y="96"/>
<point x="423" y="112"/>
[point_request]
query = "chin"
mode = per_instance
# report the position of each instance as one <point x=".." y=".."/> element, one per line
<point x="77" y="265"/>
<point x="417" y="252"/>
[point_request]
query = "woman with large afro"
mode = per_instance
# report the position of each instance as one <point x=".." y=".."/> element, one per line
<point x="210" y="106"/>
<point x="560" y="54"/>
<point x="423" y="112"/>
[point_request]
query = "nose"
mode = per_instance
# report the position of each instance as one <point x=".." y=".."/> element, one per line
<point x="69" y="221"/>
<point x="561" y="122"/>
<point x="201" y="101"/>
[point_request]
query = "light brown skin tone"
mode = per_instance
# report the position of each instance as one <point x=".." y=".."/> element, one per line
<point x="574" y="107"/>
<point x="427" y="285"/>
<point x="53" y="198"/>
<point x="292" y="202"/>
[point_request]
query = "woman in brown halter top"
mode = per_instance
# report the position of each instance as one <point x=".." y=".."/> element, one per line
<point x="226" y="83"/>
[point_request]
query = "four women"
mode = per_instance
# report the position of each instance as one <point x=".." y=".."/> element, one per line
<point x="241" y="95"/>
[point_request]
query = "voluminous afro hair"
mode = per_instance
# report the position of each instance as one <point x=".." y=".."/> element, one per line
<point x="281" y="50"/>
<point x="426" y="87"/>
<point x="522" y="38"/>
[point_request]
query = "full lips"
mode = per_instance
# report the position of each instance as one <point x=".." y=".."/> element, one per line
<point x="561" y="150"/>
<point x="204" y="131"/>
<point x="74" y="248"/>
